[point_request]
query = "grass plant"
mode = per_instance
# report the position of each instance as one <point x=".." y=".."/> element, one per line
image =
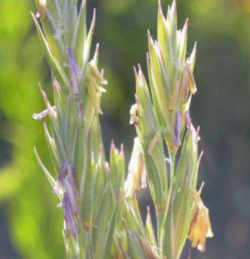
<point x="97" y="196"/>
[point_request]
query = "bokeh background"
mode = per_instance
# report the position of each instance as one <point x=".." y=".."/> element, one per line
<point x="30" y="223"/>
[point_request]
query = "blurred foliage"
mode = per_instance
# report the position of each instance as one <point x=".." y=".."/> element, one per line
<point x="221" y="108"/>
<point x="34" y="220"/>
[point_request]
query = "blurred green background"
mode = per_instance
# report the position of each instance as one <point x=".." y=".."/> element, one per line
<point x="30" y="223"/>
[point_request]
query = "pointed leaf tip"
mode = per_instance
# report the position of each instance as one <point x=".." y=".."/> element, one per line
<point x="122" y="150"/>
<point x="160" y="7"/>
<point x="55" y="83"/>
<point x="148" y="211"/>
<point x="135" y="72"/>
<point x="97" y="48"/>
<point x="94" y="16"/>
<point x="201" y="188"/>
<point x="186" y="24"/>
<point x="201" y="156"/>
<point x="44" y="95"/>
<point x="149" y="36"/>
<point x="140" y="73"/>
<point x="174" y="4"/>
<point x="112" y="145"/>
